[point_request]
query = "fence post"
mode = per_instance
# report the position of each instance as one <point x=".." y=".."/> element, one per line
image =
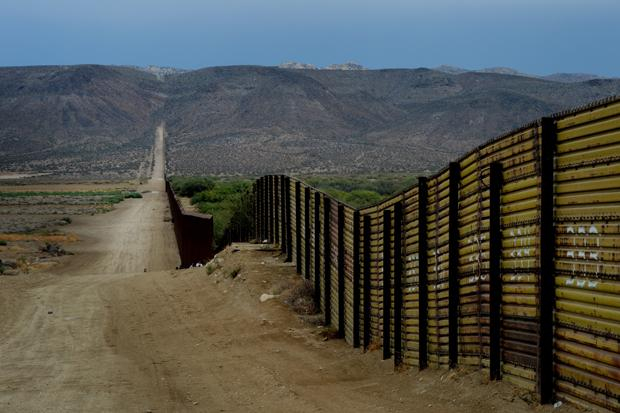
<point x="317" y="251"/>
<point x="298" y="226"/>
<point x="398" y="293"/>
<point x="422" y="273"/>
<point x="289" y="227"/>
<point x="283" y="219"/>
<point x="453" y="265"/>
<point x="367" y="306"/>
<point x="307" y="251"/>
<point x="547" y="252"/>
<point x="264" y="208"/>
<point x="327" y="260"/>
<point x="341" y="318"/>
<point x="256" y="209"/>
<point x="267" y="210"/>
<point x="276" y="204"/>
<point x="495" y="275"/>
<point x="272" y="215"/>
<point x="257" y="199"/>
<point x="387" y="298"/>
<point x="356" y="279"/>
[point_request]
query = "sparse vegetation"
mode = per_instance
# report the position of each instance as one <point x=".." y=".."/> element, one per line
<point x="227" y="200"/>
<point x="27" y="211"/>
<point x="53" y="248"/>
<point x="23" y="265"/>
<point x="3" y="243"/>
<point x="103" y="197"/>
<point x="359" y="191"/>
<point x="133" y="195"/>
<point x="301" y="298"/>
<point x="190" y="186"/>
<point x="371" y="121"/>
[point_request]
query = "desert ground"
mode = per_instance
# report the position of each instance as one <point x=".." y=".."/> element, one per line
<point x="115" y="328"/>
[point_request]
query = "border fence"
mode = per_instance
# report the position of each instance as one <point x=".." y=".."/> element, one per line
<point x="193" y="232"/>
<point x="507" y="260"/>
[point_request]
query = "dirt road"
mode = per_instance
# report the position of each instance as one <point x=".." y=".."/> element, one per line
<point x="53" y="351"/>
<point x="103" y="335"/>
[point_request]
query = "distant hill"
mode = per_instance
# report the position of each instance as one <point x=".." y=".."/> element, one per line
<point x="571" y="77"/>
<point x="335" y="66"/>
<point x="555" y="77"/>
<point x="76" y="120"/>
<point x="253" y="119"/>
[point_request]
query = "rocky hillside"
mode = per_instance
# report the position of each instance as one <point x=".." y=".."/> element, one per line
<point x="555" y="77"/>
<point x="259" y="119"/>
<point x="76" y="120"/>
<point x="99" y="120"/>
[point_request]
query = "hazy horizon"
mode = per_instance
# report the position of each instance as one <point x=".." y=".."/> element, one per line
<point x="532" y="37"/>
<point x="145" y="66"/>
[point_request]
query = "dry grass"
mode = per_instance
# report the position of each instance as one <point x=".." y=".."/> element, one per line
<point x="374" y="345"/>
<point x="51" y="238"/>
<point x="301" y="298"/>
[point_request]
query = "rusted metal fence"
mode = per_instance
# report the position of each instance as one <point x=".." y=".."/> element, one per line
<point x="193" y="231"/>
<point x="507" y="260"/>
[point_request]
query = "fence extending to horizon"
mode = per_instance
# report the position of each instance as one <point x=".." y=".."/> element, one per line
<point x="507" y="260"/>
<point x="193" y="232"/>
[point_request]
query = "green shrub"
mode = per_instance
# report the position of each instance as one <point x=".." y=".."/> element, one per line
<point x="3" y="242"/>
<point x="362" y="197"/>
<point x="133" y="194"/>
<point x="361" y="190"/>
<point x="229" y="202"/>
<point x="211" y="196"/>
<point x="189" y="186"/>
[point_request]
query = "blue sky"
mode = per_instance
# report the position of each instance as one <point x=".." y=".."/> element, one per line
<point x="540" y="37"/>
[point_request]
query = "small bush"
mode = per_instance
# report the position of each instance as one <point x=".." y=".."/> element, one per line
<point x="301" y="298"/>
<point x="211" y="269"/>
<point x="188" y="187"/>
<point x="208" y="196"/>
<point x="23" y="265"/>
<point x="3" y="242"/>
<point x="132" y="194"/>
<point x="363" y="197"/>
<point x="53" y="249"/>
<point x="229" y="203"/>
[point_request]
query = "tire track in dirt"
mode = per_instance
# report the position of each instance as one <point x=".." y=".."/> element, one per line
<point x="53" y="352"/>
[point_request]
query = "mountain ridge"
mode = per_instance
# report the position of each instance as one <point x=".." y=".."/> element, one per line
<point x="555" y="77"/>
<point x="91" y="119"/>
